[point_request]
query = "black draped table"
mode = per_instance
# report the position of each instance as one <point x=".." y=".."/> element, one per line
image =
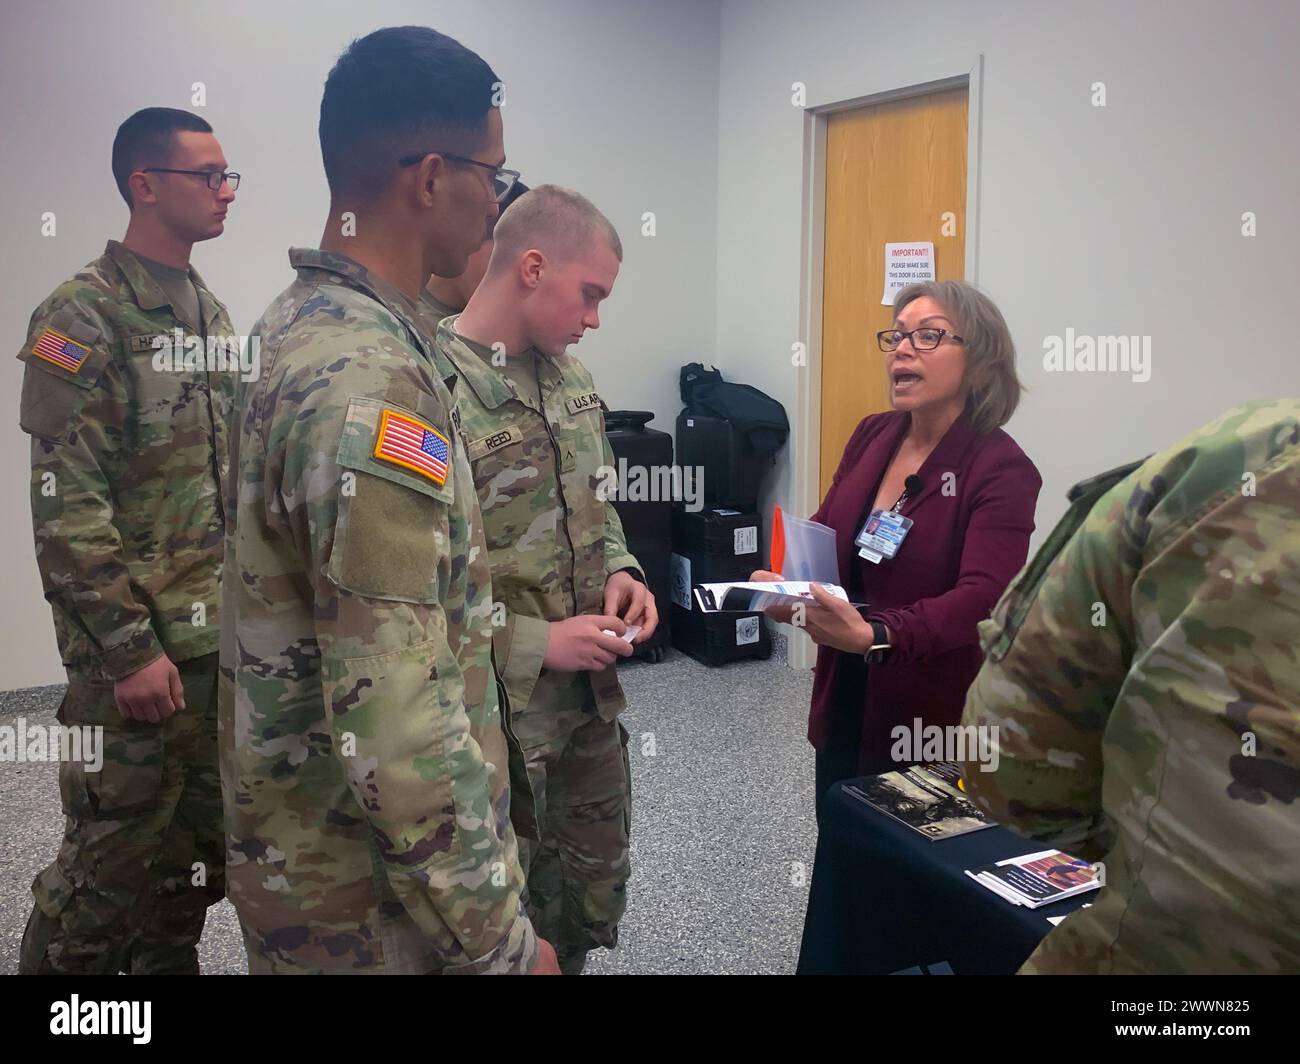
<point x="885" y="899"/>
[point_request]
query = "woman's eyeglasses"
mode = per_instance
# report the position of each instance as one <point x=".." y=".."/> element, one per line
<point x="922" y="339"/>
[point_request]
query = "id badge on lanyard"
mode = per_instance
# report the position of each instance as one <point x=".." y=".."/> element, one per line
<point x="883" y="533"/>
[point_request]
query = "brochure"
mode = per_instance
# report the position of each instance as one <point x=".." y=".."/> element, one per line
<point x="927" y="798"/>
<point x="747" y="597"/>
<point x="1037" y="879"/>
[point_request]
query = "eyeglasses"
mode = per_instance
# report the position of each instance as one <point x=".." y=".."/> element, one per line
<point x="922" y="339"/>
<point x="503" y="180"/>
<point x="215" y="178"/>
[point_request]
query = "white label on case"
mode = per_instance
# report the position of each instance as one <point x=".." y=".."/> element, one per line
<point x="747" y="629"/>
<point x="746" y="540"/>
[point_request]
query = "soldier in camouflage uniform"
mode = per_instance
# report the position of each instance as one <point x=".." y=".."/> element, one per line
<point x="1142" y="674"/>
<point x="129" y="442"/>
<point x="364" y="762"/>
<point x="534" y="426"/>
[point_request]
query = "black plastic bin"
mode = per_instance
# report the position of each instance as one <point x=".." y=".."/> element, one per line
<point x="711" y="546"/>
<point x="731" y="471"/>
<point x="719" y="638"/>
<point x="647" y="523"/>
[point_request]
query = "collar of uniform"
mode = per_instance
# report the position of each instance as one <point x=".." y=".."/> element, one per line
<point x="347" y="271"/>
<point x="490" y="387"/>
<point x="209" y="305"/>
<point x="148" y="293"/>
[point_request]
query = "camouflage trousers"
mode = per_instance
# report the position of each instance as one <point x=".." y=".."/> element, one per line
<point x="143" y="853"/>
<point x="578" y="871"/>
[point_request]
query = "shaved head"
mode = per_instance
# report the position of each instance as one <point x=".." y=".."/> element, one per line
<point x="555" y="259"/>
<point x="560" y="223"/>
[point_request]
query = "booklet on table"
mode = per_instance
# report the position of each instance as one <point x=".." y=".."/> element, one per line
<point x="1036" y="879"/>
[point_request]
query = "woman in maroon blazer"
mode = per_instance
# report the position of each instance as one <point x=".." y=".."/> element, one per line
<point x="940" y="460"/>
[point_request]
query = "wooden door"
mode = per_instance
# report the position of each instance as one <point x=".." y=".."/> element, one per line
<point x="892" y="171"/>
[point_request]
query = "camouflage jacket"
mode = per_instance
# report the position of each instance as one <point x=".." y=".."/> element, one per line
<point x="552" y="537"/>
<point x="1144" y="681"/>
<point x="128" y="451"/>
<point x="364" y="764"/>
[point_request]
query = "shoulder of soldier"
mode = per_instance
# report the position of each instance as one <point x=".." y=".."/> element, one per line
<point x="324" y="344"/>
<point x="71" y="339"/>
<point x="1174" y="487"/>
<point x="314" y="325"/>
<point x="1188" y="483"/>
<point x="90" y="297"/>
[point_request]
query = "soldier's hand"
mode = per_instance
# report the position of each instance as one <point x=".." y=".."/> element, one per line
<point x="546" y="963"/>
<point x="631" y="600"/>
<point x="580" y="644"/>
<point x="780" y="614"/>
<point x="151" y="694"/>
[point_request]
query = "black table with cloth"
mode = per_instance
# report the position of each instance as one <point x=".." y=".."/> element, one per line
<point x="885" y="899"/>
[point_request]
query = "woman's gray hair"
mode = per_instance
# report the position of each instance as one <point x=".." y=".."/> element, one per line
<point x="994" y="387"/>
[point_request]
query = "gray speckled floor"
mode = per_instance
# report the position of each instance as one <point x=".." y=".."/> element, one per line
<point x="722" y="824"/>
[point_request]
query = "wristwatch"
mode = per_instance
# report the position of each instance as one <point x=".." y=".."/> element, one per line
<point x="880" y="648"/>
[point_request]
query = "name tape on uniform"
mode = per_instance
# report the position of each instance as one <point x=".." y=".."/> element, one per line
<point x="580" y="403"/>
<point x="410" y="443"/>
<point x="487" y="444"/>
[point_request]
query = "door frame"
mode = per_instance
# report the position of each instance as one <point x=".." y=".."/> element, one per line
<point x="806" y="487"/>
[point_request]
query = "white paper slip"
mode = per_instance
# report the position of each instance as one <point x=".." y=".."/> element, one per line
<point x="629" y="634"/>
<point x="906" y="263"/>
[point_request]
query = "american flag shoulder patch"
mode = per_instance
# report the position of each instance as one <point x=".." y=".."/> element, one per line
<point x="63" y="351"/>
<point x="409" y="442"/>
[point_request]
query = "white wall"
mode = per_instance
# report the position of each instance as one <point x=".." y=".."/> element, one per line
<point x="617" y="99"/>
<point x="1123" y="219"/>
<point x="1117" y="220"/>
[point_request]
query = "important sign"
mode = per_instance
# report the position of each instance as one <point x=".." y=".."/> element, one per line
<point x="906" y="264"/>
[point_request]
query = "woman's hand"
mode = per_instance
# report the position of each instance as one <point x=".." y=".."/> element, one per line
<point x="832" y="622"/>
<point x="780" y="614"/>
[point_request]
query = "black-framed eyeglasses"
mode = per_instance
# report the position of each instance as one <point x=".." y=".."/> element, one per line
<point x="503" y="180"/>
<point x="922" y="339"/>
<point x="215" y="178"/>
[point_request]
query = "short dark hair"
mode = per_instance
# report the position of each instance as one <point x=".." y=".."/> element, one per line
<point x="397" y="91"/>
<point x="147" y="139"/>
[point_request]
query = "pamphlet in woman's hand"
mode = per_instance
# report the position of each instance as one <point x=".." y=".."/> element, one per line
<point x="803" y="550"/>
<point x="747" y="597"/>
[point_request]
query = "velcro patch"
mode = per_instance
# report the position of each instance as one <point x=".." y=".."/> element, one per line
<point x="411" y="444"/>
<point x="63" y="351"/>
<point x="576" y="405"/>
<point x="494" y="442"/>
